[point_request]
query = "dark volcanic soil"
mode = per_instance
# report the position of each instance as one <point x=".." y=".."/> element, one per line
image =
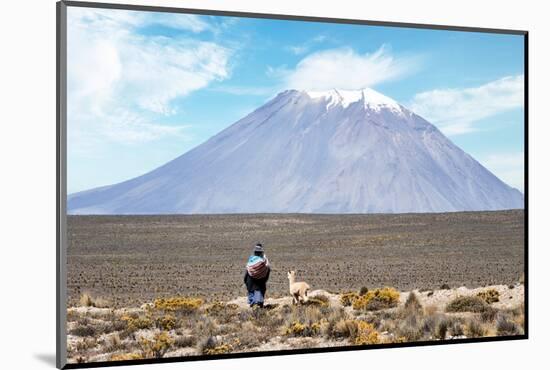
<point x="133" y="259"/>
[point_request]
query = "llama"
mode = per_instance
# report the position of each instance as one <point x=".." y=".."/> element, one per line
<point x="298" y="290"/>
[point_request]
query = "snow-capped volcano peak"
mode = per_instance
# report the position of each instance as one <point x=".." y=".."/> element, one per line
<point x="371" y="99"/>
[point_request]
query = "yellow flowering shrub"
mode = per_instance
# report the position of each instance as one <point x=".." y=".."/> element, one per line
<point x="166" y="322"/>
<point x="218" y="350"/>
<point x="377" y="299"/>
<point x="489" y="295"/>
<point x="178" y="304"/>
<point x="348" y="299"/>
<point x="137" y="323"/>
<point x="157" y="346"/>
<point x="366" y="334"/>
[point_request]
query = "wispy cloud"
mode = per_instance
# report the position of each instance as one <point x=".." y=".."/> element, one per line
<point x="307" y="45"/>
<point x="346" y="69"/>
<point x="457" y="111"/>
<point x="509" y="167"/>
<point x="122" y="82"/>
<point x="118" y="20"/>
<point x="244" y="90"/>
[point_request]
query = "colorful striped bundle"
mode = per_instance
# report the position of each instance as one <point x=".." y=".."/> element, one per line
<point x="257" y="267"/>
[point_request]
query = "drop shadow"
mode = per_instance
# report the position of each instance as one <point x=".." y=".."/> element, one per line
<point x="46" y="358"/>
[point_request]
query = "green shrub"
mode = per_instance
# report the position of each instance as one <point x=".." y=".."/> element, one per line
<point x="467" y="304"/>
<point x="83" y="331"/>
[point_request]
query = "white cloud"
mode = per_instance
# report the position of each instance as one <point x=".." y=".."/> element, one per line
<point x="456" y="111"/>
<point x="345" y="69"/>
<point x="298" y="49"/>
<point x="244" y="90"/>
<point x="509" y="167"/>
<point x="121" y="82"/>
<point x="306" y="46"/>
<point x="117" y="20"/>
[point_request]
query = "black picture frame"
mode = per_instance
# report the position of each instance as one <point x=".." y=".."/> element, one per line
<point x="61" y="191"/>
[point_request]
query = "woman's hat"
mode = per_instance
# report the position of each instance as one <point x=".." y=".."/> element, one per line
<point x="259" y="248"/>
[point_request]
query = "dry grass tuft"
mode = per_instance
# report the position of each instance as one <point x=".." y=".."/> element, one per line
<point x="185" y="341"/>
<point x="475" y="329"/>
<point x="413" y="303"/>
<point x="345" y="329"/>
<point x="410" y="328"/>
<point x="505" y="326"/>
<point x="86" y="344"/>
<point x="430" y="310"/>
<point x="86" y="300"/>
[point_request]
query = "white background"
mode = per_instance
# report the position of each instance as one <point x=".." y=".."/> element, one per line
<point x="27" y="118"/>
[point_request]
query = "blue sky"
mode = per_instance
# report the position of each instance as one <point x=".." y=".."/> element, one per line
<point x="143" y="88"/>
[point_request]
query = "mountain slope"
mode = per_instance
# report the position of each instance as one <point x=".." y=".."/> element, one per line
<point x="320" y="152"/>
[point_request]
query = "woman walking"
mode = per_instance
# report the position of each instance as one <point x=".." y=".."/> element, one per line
<point x="256" y="276"/>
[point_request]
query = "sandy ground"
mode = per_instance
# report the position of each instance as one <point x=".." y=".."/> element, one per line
<point x="130" y="260"/>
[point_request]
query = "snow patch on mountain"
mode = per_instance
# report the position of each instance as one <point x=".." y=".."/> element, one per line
<point x="370" y="98"/>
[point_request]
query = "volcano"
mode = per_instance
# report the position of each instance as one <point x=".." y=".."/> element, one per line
<point x="333" y="151"/>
